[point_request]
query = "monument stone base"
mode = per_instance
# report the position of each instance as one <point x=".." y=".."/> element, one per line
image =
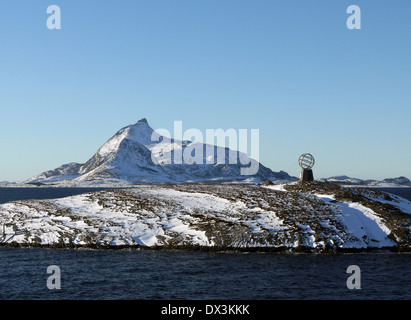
<point x="306" y="175"/>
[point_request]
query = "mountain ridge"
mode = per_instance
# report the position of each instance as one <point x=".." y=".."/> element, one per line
<point x="343" y="179"/>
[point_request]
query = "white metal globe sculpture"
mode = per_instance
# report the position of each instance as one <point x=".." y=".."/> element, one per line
<point x="306" y="162"/>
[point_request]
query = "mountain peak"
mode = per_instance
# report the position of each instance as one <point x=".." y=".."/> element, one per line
<point x="142" y="121"/>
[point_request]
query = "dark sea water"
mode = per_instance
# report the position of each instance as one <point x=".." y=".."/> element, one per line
<point x="131" y="274"/>
<point x="402" y="192"/>
<point x="12" y="194"/>
<point x="155" y="275"/>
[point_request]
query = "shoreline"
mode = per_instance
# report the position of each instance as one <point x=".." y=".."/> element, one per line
<point x="211" y="249"/>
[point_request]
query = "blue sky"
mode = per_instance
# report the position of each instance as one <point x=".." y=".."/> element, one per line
<point x="291" y="69"/>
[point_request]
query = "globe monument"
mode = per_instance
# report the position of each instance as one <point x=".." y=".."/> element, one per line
<point x="306" y="162"/>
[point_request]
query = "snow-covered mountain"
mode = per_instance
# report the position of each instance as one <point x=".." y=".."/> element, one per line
<point x="388" y="182"/>
<point x="136" y="153"/>
<point x="342" y="179"/>
<point x="400" y="180"/>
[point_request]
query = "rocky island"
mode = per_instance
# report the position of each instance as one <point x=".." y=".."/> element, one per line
<point x="296" y="217"/>
<point x="154" y="203"/>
